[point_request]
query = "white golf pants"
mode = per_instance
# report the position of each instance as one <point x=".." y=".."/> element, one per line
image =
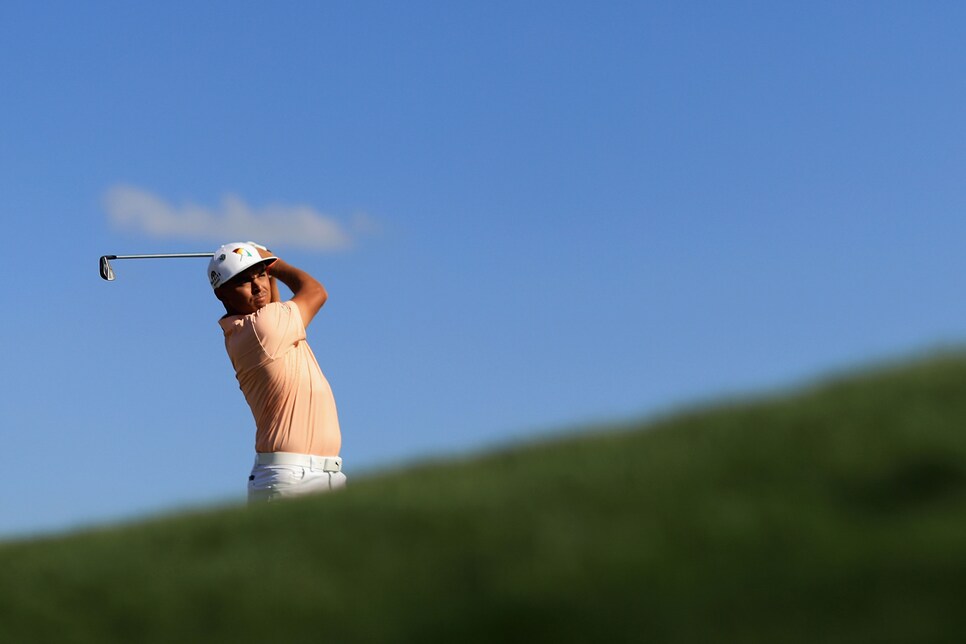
<point x="289" y="475"/>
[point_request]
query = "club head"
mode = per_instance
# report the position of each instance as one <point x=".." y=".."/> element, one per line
<point x="107" y="272"/>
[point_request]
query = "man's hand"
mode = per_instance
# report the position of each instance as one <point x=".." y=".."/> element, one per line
<point x="262" y="251"/>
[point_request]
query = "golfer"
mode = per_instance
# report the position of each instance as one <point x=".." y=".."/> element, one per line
<point x="297" y="437"/>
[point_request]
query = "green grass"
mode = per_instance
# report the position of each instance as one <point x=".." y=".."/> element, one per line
<point x="832" y="514"/>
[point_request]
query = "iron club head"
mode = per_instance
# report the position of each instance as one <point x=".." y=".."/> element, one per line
<point x="107" y="272"/>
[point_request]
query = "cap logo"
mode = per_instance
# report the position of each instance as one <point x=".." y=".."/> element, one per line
<point x="242" y="252"/>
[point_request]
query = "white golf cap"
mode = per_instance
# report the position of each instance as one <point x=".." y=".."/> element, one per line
<point x="231" y="259"/>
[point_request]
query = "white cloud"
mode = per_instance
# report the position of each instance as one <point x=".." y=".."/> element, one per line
<point x="363" y="224"/>
<point x="130" y="208"/>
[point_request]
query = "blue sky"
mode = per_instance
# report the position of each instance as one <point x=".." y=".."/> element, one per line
<point x="529" y="216"/>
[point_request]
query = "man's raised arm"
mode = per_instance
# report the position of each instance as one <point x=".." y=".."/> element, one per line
<point x="307" y="292"/>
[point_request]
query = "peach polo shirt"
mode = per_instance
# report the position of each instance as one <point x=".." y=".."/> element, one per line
<point x="289" y="397"/>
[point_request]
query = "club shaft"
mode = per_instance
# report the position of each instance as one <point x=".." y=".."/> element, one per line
<point x="162" y="256"/>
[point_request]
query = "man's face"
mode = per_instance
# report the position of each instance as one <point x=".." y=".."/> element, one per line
<point x="246" y="292"/>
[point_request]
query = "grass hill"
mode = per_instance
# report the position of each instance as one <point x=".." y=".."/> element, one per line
<point x="832" y="514"/>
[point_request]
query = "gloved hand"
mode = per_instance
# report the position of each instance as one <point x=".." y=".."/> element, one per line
<point x="264" y="252"/>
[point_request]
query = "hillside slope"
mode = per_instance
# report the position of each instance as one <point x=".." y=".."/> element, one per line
<point x="835" y="514"/>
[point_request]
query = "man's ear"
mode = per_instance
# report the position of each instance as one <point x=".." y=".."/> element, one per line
<point x="220" y="294"/>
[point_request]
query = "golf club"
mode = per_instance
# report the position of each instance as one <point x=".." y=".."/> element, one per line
<point x="107" y="272"/>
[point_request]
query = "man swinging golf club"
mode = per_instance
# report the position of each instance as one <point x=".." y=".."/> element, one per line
<point x="297" y="437"/>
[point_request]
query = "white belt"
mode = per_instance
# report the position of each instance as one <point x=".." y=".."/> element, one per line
<point x="324" y="463"/>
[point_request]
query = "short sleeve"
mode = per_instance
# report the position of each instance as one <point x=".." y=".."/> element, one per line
<point x="278" y="326"/>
